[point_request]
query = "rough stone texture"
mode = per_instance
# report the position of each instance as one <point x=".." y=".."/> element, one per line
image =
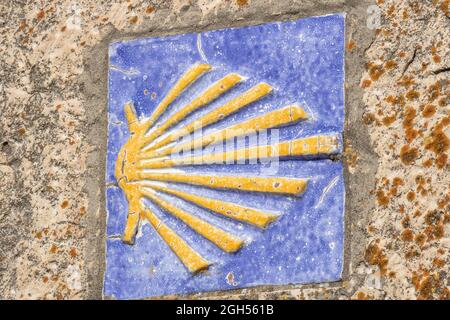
<point x="406" y="102"/>
<point x="53" y="135"/>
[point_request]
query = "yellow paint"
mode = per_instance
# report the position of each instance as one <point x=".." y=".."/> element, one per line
<point x="220" y="238"/>
<point x="128" y="155"/>
<point x="125" y="173"/>
<point x="189" y="257"/>
<point x="256" y="184"/>
<point x="228" y="108"/>
<point x="273" y="119"/>
<point x="210" y="94"/>
<point x="252" y="216"/>
<point x="134" y="208"/>
<point x="315" y="145"/>
<point x="185" y="81"/>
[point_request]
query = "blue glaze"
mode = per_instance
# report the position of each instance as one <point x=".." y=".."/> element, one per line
<point x="303" y="61"/>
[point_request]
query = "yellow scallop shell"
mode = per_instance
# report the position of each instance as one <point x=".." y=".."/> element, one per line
<point x="150" y="146"/>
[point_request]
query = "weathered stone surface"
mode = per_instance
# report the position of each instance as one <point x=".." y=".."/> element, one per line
<point x="53" y="135"/>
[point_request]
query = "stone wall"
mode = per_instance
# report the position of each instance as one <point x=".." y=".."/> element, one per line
<point x="53" y="136"/>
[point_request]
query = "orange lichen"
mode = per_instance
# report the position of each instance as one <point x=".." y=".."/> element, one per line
<point x="433" y="49"/>
<point x="405" y="14"/>
<point x="437" y="58"/>
<point x="391" y="99"/>
<point x="406" y="222"/>
<point x="427" y="163"/>
<point x="391" y="10"/>
<point x="445" y="294"/>
<point x="438" y="141"/>
<point x="417" y="214"/>
<point x="444" y="7"/>
<point x="411" y="196"/>
<point x="40" y="15"/>
<point x="407" y="235"/>
<point x="134" y="19"/>
<point x="65" y="204"/>
<point x="409" y="114"/>
<point x="361" y="296"/>
<point x="351" y="156"/>
<point x="424" y="66"/>
<point x="429" y="111"/>
<point x="149" y="9"/>
<point x="390" y="64"/>
<point x="415" y="7"/>
<point x="393" y="192"/>
<point x="387" y="121"/>
<point x="351" y="45"/>
<point x="408" y="155"/>
<point x="368" y="118"/>
<point x="420" y="239"/>
<point x="435" y="91"/>
<point x="435" y="228"/>
<point x="73" y="252"/>
<point x="375" y="256"/>
<point x="375" y="71"/>
<point x="443" y="101"/>
<point x="406" y="81"/>
<point x="433" y="217"/>
<point x="53" y="249"/>
<point x="441" y="161"/>
<point x="397" y="181"/>
<point x="366" y="83"/>
<point x="242" y="2"/>
<point x="435" y="233"/>
<point x="412" y="254"/>
<point x="438" y="262"/>
<point x="383" y="200"/>
<point x="420" y="180"/>
<point x="425" y="288"/>
<point x="412" y="95"/>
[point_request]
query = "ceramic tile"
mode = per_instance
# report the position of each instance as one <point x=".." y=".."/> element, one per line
<point x="304" y="63"/>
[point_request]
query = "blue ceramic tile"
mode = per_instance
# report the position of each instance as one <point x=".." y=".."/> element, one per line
<point x="304" y="62"/>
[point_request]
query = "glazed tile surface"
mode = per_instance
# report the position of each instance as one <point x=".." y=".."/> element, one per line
<point x="303" y="62"/>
